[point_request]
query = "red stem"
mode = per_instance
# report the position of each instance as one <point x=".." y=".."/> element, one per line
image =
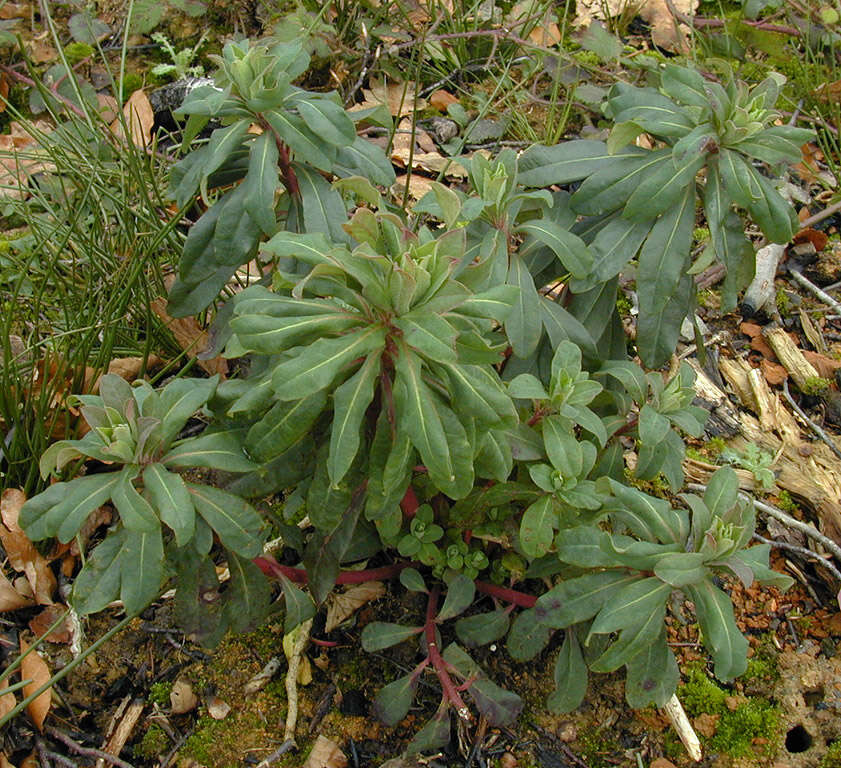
<point x="521" y="599"/>
<point x="451" y="693"/>
<point x="409" y="504"/>
<point x="268" y="565"/>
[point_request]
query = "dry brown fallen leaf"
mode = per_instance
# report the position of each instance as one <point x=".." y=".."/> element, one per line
<point x="45" y="619"/>
<point x="21" y="551"/>
<point x="398" y="97"/>
<point x="341" y="607"/>
<point x="326" y="754"/>
<point x="34" y="668"/>
<point x="15" y="10"/>
<point x="192" y="339"/>
<point x="20" y="158"/>
<point x="665" y="30"/>
<point x="7" y="700"/>
<point x="139" y="119"/>
<point x="825" y="366"/>
<point x="441" y="99"/>
<point x="4" y="761"/>
<point x="182" y="698"/>
<point x="418" y="186"/>
<point x="12" y="599"/>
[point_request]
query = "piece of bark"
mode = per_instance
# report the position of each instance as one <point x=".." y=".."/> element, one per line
<point x="759" y="296"/>
<point x="799" y="368"/>
<point x="124" y="728"/>
<point x="724" y="419"/>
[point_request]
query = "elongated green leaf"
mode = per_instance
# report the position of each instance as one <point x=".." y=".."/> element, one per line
<point x="327" y="120"/>
<point x="364" y="158"/>
<point x="740" y="179"/>
<point x="170" y="497"/>
<point x="483" y="628"/>
<point x="321" y="362"/>
<point x="392" y="702"/>
<point x="141" y="571"/>
<point x="775" y="216"/>
<point x="299" y="605"/>
<point x="434" y="735"/>
<point x="322" y="208"/>
<point x="581" y="598"/>
<point x="350" y="401"/>
<point x="236" y="235"/>
<point x="658" y="331"/>
<point x="223" y="141"/>
<point x="585" y="547"/>
<point x="262" y="182"/>
<point x="382" y="634"/>
<point x="646" y="107"/>
<point x="495" y="303"/>
<point x="722" y="637"/>
<point x="237" y="524"/>
<point x="283" y="426"/>
<point x="653" y="675"/>
<point x="776" y="144"/>
<point x="135" y="512"/>
<point x="304" y="143"/>
<point x="615" y="245"/>
<point x="523" y="325"/>
<point x="430" y="334"/>
<point x="685" y="85"/>
<point x="657" y="192"/>
<point x="218" y="450"/>
<point x="681" y="568"/>
<point x="247" y="598"/>
<point x="570" y="677"/>
<point x="83" y="495"/>
<point x="541" y="166"/>
<point x="528" y="637"/>
<point x="98" y="583"/>
<point x="609" y="189"/>
<point x="632" y="641"/>
<point x="271" y="335"/>
<point x="625" y="606"/>
<point x="569" y="248"/>
<point x="479" y="392"/>
<point x="312" y="248"/>
<point x="37" y="516"/>
<point x="177" y="402"/>
<point x="722" y="491"/>
<point x="647" y="516"/>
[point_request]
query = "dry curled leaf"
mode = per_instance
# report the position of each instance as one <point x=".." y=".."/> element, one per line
<point x="341" y="607"/>
<point x="326" y="754"/>
<point x="7" y="700"/>
<point x="665" y="30"/>
<point x="182" y="698"/>
<point x="45" y="619"/>
<point x="399" y="98"/>
<point x="11" y="599"/>
<point x="21" y="551"/>
<point x="441" y="99"/>
<point x="139" y="119"/>
<point x="35" y="669"/>
<point x="191" y="338"/>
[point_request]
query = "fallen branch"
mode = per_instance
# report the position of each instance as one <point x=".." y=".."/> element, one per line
<point x="811" y="424"/>
<point x="74" y="746"/>
<point x="813" y="289"/>
<point x="294" y="658"/>
<point x="805" y="551"/>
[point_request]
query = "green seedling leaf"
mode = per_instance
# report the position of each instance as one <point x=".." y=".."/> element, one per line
<point x="392" y="702"/>
<point x="269" y="335"/>
<point x="382" y="634"/>
<point x="722" y="491"/>
<point x="633" y="639"/>
<point x="528" y="637"/>
<point x="327" y="120"/>
<point x="434" y="735"/>
<point x="483" y="628"/>
<point x="537" y="528"/>
<point x="570" y="677"/>
<point x="411" y="579"/>
<point x="460" y="593"/>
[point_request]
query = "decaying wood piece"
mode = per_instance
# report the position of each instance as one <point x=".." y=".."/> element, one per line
<point x="760" y="293"/>
<point x="301" y="636"/>
<point x="791" y="358"/>
<point x="807" y="470"/>
<point x="680" y="722"/>
<point x="724" y="418"/>
<point x="125" y="719"/>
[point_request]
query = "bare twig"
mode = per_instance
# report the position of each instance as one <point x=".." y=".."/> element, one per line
<point x="821" y="215"/>
<point x="813" y="289"/>
<point x="805" y="551"/>
<point x="700" y="21"/>
<point x="294" y="658"/>
<point x="814" y="427"/>
<point x="86" y="751"/>
<point x="287" y="746"/>
<point x="46" y="756"/>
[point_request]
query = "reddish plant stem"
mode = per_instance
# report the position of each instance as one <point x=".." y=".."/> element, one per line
<point x="537" y="416"/>
<point x="521" y="599"/>
<point x="290" y="180"/>
<point x="625" y="428"/>
<point x="269" y="566"/>
<point x="409" y="504"/>
<point x="438" y="664"/>
<point x="53" y="89"/>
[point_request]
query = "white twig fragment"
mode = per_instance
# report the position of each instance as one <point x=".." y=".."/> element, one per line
<point x="680" y="722"/>
<point x="761" y="290"/>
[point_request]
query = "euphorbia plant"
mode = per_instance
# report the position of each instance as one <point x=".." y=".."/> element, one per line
<point x="453" y="399"/>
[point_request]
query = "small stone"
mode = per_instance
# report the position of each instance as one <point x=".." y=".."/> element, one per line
<point x="507" y="760"/>
<point x="217" y="708"/>
<point x="662" y="762"/>
<point x="567" y="732"/>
